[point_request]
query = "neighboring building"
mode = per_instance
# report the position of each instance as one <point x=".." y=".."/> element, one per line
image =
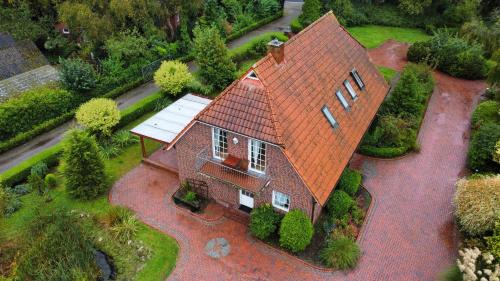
<point x="285" y="131"/>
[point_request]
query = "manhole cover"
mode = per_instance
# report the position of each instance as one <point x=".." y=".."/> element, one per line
<point x="217" y="248"/>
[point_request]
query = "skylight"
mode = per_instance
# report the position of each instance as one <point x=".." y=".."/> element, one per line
<point x="358" y="79"/>
<point x="350" y="89"/>
<point x="342" y="100"/>
<point x="329" y="117"/>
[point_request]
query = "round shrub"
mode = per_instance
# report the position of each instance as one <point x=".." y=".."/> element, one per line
<point x="350" y="181"/>
<point x="263" y="221"/>
<point x="419" y="52"/>
<point x="77" y="75"/>
<point x="296" y="231"/>
<point x="342" y="253"/>
<point x="476" y="203"/>
<point x="340" y="203"/>
<point x="481" y="148"/>
<point x="172" y="77"/>
<point x="485" y="112"/>
<point x="296" y="26"/>
<point x="50" y="180"/>
<point x="99" y="116"/>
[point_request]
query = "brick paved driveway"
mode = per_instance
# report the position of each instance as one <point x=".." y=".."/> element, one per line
<point x="409" y="234"/>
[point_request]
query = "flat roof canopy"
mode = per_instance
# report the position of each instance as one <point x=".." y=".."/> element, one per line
<point x="165" y="125"/>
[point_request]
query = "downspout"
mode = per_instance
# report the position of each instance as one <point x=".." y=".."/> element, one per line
<point x="312" y="209"/>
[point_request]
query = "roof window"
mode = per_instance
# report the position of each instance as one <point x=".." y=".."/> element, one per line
<point x="350" y="89"/>
<point x="342" y="99"/>
<point x="358" y="79"/>
<point x="329" y="117"/>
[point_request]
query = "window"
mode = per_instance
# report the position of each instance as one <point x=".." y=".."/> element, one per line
<point x="329" y="117"/>
<point x="342" y="100"/>
<point x="350" y="89"/>
<point x="281" y="201"/>
<point x="257" y="155"/>
<point x="358" y="79"/>
<point x="219" y="143"/>
<point x="252" y="75"/>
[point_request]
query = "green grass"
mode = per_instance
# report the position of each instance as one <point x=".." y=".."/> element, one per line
<point x="165" y="248"/>
<point x="244" y="66"/>
<point x="372" y="36"/>
<point x="388" y="73"/>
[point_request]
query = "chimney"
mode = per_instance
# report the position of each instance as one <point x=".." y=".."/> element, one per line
<point x="277" y="50"/>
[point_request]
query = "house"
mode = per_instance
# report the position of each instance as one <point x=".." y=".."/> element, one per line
<point x="284" y="132"/>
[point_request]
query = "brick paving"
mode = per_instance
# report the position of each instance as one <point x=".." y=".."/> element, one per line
<point x="409" y="233"/>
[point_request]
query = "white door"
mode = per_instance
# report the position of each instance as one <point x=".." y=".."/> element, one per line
<point x="246" y="198"/>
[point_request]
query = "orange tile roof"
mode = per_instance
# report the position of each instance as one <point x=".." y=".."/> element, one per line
<point x="284" y="107"/>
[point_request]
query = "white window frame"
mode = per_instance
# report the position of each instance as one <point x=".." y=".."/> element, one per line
<point x="278" y="201"/>
<point x="357" y="78"/>
<point x="252" y="75"/>
<point x="217" y="154"/>
<point x="342" y="99"/>
<point x="350" y="89"/>
<point x="251" y="166"/>
<point x="329" y="117"/>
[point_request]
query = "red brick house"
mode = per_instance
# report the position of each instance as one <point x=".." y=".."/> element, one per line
<point x="284" y="132"/>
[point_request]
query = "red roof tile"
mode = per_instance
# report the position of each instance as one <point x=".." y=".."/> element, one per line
<point x="284" y="106"/>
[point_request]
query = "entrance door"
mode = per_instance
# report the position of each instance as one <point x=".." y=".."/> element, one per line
<point x="246" y="198"/>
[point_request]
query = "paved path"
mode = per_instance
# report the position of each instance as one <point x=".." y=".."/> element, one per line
<point x="17" y="155"/>
<point x="409" y="233"/>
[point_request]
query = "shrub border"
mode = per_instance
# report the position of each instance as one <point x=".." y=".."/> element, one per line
<point x="254" y="26"/>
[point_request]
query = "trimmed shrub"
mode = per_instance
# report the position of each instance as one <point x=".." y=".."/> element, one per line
<point x="216" y="67"/>
<point x="50" y="180"/>
<point x="340" y="203"/>
<point x="296" y="231"/>
<point x="350" y="181"/>
<point x="485" y="112"/>
<point x="256" y="47"/>
<point x="82" y="166"/>
<point x="77" y="75"/>
<point x="172" y="77"/>
<point x="419" y="51"/>
<point x="342" y="253"/>
<point x="22" y="113"/>
<point x="481" y="148"/>
<point x="476" y="204"/>
<point x="99" y="116"/>
<point x="263" y="221"/>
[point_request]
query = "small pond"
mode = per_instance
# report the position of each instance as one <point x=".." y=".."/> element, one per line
<point x="105" y="264"/>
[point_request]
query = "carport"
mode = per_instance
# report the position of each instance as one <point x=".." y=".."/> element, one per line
<point x="166" y="125"/>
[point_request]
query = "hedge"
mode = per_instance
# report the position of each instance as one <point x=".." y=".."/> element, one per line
<point x="50" y="156"/>
<point x="253" y="26"/>
<point x="382" y="152"/>
<point x="58" y="121"/>
<point x="256" y="47"/>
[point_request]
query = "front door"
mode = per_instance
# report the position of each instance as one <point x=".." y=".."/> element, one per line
<point x="246" y="198"/>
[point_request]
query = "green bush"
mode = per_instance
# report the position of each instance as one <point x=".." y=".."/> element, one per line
<point x="99" y="116"/>
<point x="22" y="113"/>
<point x="296" y="26"/>
<point x="493" y="241"/>
<point x="77" y="75"/>
<point x="481" y="148"/>
<point x="138" y="109"/>
<point x="4" y="201"/>
<point x="486" y="112"/>
<point x="172" y="77"/>
<point x="451" y="274"/>
<point x="340" y="203"/>
<point x="37" y="183"/>
<point x="263" y="221"/>
<point x="476" y="204"/>
<point x="382" y="152"/>
<point x="311" y="11"/>
<point x="82" y="166"/>
<point x="190" y="197"/>
<point x="296" y="231"/>
<point x="255" y="47"/>
<point x="40" y="169"/>
<point x="350" y="181"/>
<point x="51" y="181"/>
<point x="452" y="54"/>
<point x="123" y="224"/>
<point x="342" y="253"/>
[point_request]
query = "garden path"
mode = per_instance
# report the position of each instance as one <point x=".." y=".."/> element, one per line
<point x="409" y="233"/>
<point x="16" y="155"/>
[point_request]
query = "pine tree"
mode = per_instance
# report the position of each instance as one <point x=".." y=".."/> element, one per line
<point x="83" y="167"/>
<point x="216" y="67"/>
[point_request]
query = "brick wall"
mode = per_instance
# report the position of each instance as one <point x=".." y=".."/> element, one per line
<point x="283" y="177"/>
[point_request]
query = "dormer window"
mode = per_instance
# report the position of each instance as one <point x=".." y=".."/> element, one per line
<point x="219" y="143"/>
<point x="350" y="89"/>
<point x="342" y="99"/>
<point x="252" y="75"/>
<point x="357" y="78"/>
<point x="257" y="155"/>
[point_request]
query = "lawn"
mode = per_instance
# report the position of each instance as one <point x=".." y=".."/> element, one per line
<point x="372" y="36"/>
<point x="165" y="248"/>
<point x="388" y="73"/>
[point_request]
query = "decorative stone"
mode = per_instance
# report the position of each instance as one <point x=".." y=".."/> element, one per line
<point x="217" y="248"/>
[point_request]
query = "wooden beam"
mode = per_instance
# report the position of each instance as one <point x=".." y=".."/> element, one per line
<point x="143" y="148"/>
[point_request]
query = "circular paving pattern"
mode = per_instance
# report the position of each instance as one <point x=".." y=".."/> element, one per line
<point x="217" y="248"/>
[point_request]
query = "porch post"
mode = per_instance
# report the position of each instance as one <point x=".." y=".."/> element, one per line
<point x="143" y="148"/>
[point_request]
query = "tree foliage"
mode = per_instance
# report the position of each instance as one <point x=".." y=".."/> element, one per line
<point x="82" y="166"/>
<point x="172" y="77"/>
<point x="311" y="11"/>
<point x="77" y="75"/>
<point x="99" y="116"/>
<point x="216" y="67"/>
